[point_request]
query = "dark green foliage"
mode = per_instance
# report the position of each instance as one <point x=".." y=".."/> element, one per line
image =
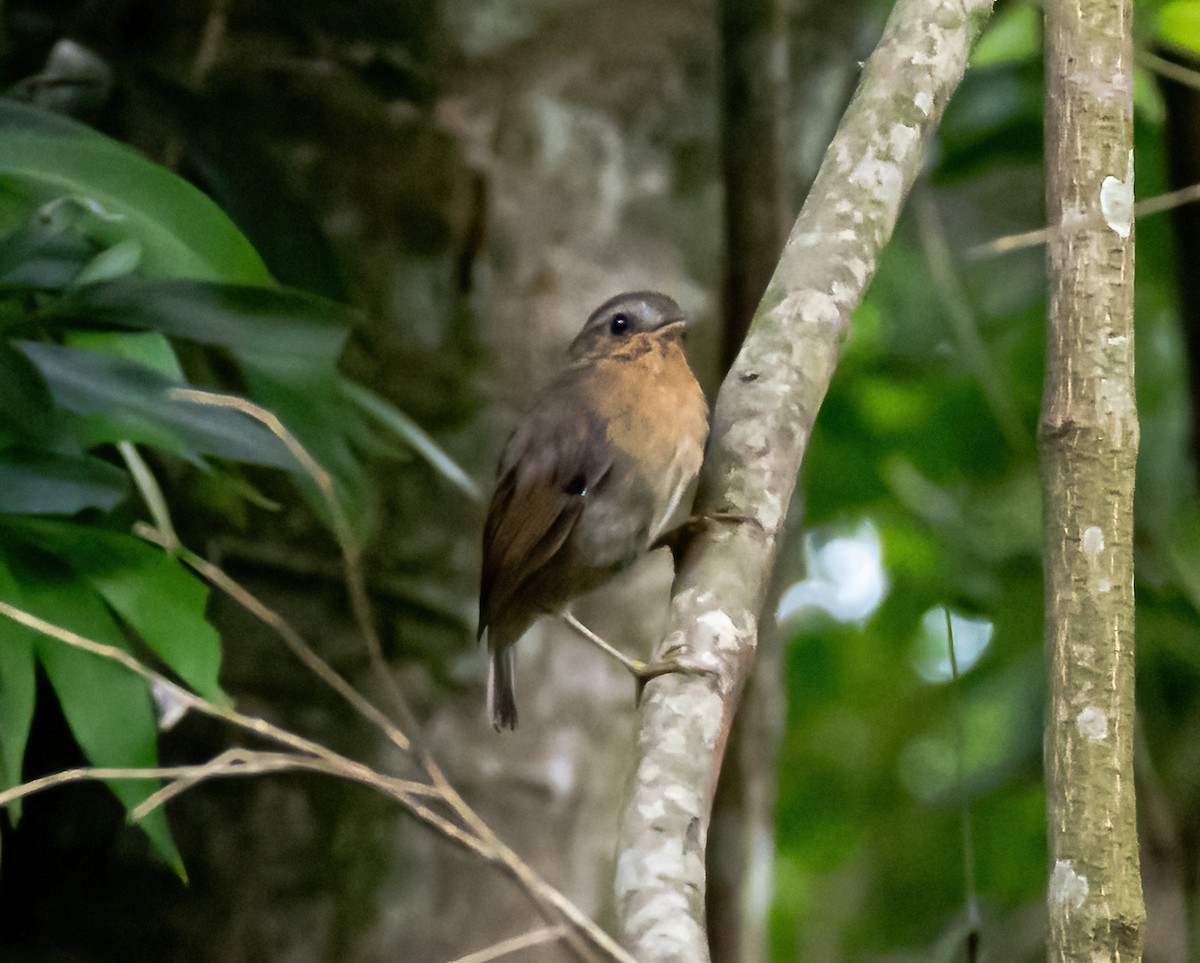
<point x="878" y="761"/>
<point x="114" y="274"/>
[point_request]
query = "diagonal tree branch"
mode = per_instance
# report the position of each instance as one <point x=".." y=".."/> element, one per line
<point x="761" y="426"/>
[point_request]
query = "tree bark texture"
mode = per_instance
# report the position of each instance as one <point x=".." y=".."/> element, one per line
<point x="1088" y="440"/>
<point x="761" y="425"/>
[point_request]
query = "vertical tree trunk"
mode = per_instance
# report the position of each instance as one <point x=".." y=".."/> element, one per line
<point x="754" y="111"/>
<point x="754" y="72"/>
<point x="1088" y="438"/>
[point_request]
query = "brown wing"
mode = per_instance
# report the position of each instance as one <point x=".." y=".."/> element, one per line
<point x="557" y="454"/>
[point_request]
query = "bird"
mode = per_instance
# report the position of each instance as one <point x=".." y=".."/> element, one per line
<point x="590" y="477"/>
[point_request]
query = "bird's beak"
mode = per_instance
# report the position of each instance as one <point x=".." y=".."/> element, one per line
<point x="668" y="325"/>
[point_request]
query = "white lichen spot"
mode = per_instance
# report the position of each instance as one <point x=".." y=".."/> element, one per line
<point x="1092" y="723"/>
<point x="923" y="101"/>
<point x="1116" y="409"/>
<point x="1091" y="543"/>
<point x="881" y="177"/>
<point x="1116" y="201"/>
<point x="718" y="623"/>
<point x="819" y="308"/>
<point x="653" y="809"/>
<point x="685" y="798"/>
<point x="674" y="741"/>
<point x="859" y="269"/>
<point x="903" y="139"/>
<point x="1068" y="889"/>
<point x="843" y="292"/>
<point x="770" y="511"/>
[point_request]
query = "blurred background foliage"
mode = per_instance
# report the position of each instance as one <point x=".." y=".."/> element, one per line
<point x="928" y="439"/>
<point x="910" y="817"/>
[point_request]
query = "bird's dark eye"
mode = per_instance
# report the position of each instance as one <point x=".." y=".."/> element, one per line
<point x="619" y="323"/>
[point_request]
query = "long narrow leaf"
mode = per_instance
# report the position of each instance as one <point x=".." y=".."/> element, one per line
<point x="243" y="318"/>
<point x="109" y="710"/>
<point x="17" y="689"/>
<point x="136" y="405"/>
<point x="153" y="592"/>
<point x="183" y="233"/>
<point x="46" y="483"/>
<point x="412" y="435"/>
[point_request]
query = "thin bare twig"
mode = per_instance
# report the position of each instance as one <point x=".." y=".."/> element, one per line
<point x="1169" y="69"/>
<point x="239" y="761"/>
<point x="1018" y="242"/>
<point x="232" y="762"/>
<point x="337" y="763"/>
<point x="211" y="40"/>
<point x="31" y="621"/>
<point x="151" y="494"/>
<point x="267" y="762"/>
<point x="963" y="321"/>
<point x="525" y="941"/>
<point x="342" y="529"/>
<point x="219" y="578"/>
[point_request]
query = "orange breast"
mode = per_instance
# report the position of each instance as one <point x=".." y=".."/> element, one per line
<point x="656" y="415"/>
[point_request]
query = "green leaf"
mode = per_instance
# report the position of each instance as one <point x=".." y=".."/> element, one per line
<point x="243" y="318"/>
<point x="305" y="398"/>
<point x="113" y="262"/>
<point x="242" y="172"/>
<point x="136" y="405"/>
<point x="1179" y="24"/>
<point x="46" y="483"/>
<point x="1014" y="34"/>
<point x="182" y="232"/>
<point x="108" y="709"/>
<point x="154" y="593"/>
<point x="411" y="434"/>
<point x="48" y="250"/>
<point x="17" y="690"/>
<point x="25" y="402"/>
<point x="145" y="348"/>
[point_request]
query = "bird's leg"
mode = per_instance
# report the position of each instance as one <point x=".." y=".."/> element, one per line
<point x="643" y="672"/>
<point x="636" y="666"/>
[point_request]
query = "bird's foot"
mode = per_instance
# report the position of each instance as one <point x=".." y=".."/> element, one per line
<point x="691" y="526"/>
<point x="652" y="670"/>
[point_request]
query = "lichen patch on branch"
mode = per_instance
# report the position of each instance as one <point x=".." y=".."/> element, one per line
<point x="1116" y="201"/>
<point x="1092" y="723"/>
<point x="1068" y="889"/>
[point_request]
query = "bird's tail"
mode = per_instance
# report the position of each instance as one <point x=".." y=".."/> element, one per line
<point x="501" y="699"/>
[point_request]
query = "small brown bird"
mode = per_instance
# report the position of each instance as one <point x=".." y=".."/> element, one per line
<point x="591" y="475"/>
